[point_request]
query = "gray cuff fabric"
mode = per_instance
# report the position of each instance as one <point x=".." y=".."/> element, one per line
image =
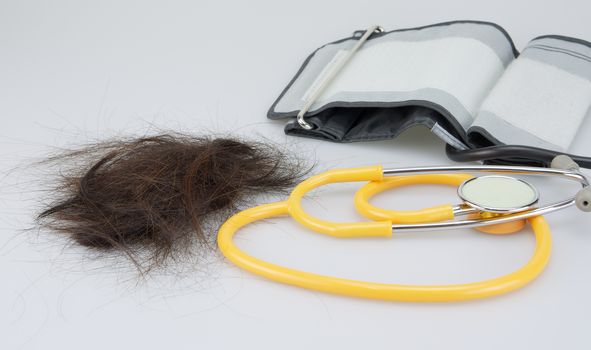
<point x="461" y="79"/>
<point x="542" y="98"/>
<point x="433" y="75"/>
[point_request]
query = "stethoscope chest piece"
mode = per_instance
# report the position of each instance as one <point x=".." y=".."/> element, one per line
<point x="498" y="194"/>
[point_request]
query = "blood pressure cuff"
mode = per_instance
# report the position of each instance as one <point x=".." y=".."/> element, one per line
<point x="464" y="80"/>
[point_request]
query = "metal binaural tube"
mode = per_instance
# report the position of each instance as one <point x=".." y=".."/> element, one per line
<point x="484" y="221"/>
<point x="524" y="170"/>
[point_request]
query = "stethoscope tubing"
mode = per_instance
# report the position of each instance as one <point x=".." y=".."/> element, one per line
<point x="373" y="290"/>
<point x="384" y="225"/>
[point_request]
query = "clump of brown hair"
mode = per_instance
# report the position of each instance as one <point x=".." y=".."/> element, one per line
<point x="158" y="194"/>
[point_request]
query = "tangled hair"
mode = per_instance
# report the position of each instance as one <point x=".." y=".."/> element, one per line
<point x="155" y="196"/>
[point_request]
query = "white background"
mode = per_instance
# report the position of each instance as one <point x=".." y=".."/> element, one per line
<point x="74" y="71"/>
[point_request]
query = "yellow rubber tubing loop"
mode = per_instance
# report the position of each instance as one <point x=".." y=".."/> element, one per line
<point x="349" y="229"/>
<point x="371" y="290"/>
<point x="433" y="214"/>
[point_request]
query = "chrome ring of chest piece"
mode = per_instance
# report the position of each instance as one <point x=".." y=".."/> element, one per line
<point x="498" y="194"/>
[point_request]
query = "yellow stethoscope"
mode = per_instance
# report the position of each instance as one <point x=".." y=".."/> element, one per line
<point x="497" y="204"/>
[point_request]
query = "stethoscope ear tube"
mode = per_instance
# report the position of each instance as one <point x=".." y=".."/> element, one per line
<point x="583" y="199"/>
<point x="381" y="228"/>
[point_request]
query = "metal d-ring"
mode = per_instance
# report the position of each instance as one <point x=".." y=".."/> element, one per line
<point x="333" y="72"/>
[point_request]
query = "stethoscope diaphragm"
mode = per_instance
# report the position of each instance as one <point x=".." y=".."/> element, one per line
<point x="498" y="194"/>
